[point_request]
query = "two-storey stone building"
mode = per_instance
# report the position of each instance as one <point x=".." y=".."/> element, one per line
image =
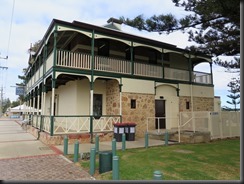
<point x="85" y="78"/>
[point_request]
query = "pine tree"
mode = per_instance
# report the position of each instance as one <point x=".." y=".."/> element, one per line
<point x="214" y="26"/>
<point x="235" y="93"/>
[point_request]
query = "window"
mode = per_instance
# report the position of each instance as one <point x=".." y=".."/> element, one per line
<point x="166" y="57"/>
<point x="132" y="103"/>
<point x="97" y="105"/>
<point x="187" y="105"/>
<point x="103" y="48"/>
<point x="128" y="53"/>
<point x="152" y="57"/>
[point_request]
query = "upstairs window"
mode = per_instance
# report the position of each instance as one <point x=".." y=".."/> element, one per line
<point x="103" y="48"/>
<point x="152" y="57"/>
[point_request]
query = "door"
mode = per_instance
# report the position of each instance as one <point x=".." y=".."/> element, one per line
<point x="160" y="112"/>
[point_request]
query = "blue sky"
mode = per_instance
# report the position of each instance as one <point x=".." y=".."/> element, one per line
<point x="31" y="19"/>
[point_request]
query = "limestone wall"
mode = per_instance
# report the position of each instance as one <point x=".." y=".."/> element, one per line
<point x="145" y="107"/>
<point x="199" y="103"/>
<point x="112" y="97"/>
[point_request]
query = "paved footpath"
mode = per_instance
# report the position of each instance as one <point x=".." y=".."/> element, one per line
<point x="23" y="157"/>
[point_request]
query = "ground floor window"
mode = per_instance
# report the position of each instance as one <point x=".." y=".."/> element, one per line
<point x="97" y="105"/>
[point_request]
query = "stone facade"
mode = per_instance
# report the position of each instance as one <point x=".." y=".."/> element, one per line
<point x="199" y="104"/>
<point x="145" y="107"/>
<point x="112" y="97"/>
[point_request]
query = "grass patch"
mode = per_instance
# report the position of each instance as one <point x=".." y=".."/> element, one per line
<point x="217" y="160"/>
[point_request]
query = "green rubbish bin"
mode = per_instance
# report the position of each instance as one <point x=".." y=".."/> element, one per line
<point x="105" y="161"/>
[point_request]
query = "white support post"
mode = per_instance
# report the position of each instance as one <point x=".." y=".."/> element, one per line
<point x="120" y="103"/>
<point x="30" y="102"/>
<point x="44" y="103"/>
<point x="52" y="104"/>
<point x="91" y="102"/>
<point x="34" y="104"/>
<point x="38" y="104"/>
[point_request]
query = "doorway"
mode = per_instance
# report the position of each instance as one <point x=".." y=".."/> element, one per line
<point x="160" y="112"/>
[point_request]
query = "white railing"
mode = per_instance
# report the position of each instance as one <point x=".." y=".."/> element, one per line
<point x="46" y="123"/>
<point x="201" y="77"/>
<point x="79" y="124"/>
<point x="36" y="120"/>
<point x="104" y="124"/>
<point x="67" y="125"/>
<point x="84" y="61"/>
<point x="112" y="65"/>
<point x="176" y="74"/>
<point x="49" y="62"/>
<point x="153" y="121"/>
<point x="148" y="70"/>
<point x="73" y="59"/>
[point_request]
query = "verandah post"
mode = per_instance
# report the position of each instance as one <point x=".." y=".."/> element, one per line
<point x="53" y="81"/>
<point x="92" y="86"/>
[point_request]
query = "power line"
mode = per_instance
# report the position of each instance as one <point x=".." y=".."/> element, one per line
<point x="10" y="29"/>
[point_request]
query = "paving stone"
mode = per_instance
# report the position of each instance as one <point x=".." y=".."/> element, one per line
<point x="45" y="167"/>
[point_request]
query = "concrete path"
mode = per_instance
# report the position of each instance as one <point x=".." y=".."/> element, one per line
<point x="23" y="157"/>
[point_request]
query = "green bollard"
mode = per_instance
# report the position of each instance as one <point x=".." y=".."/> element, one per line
<point x="166" y="138"/>
<point x="97" y="143"/>
<point x="114" y="147"/>
<point x="157" y="175"/>
<point x="146" y="140"/>
<point x="123" y="142"/>
<point x="65" y="145"/>
<point x="76" y="151"/>
<point x="115" y="168"/>
<point x="92" y="161"/>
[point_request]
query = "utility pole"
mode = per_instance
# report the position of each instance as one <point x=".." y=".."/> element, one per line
<point x="1" y="90"/>
<point x="1" y="104"/>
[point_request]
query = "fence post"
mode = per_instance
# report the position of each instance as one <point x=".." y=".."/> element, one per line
<point x="166" y="138"/>
<point x="97" y="143"/>
<point x="179" y="127"/>
<point x="92" y="161"/>
<point x="210" y="129"/>
<point x="146" y="140"/>
<point x="65" y="145"/>
<point x="114" y="147"/>
<point x="158" y="124"/>
<point x="76" y="151"/>
<point x="123" y="142"/>
<point x="157" y="175"/>
<point x="115" y="168"/>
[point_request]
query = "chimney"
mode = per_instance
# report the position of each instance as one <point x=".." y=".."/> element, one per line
<point x="114" y="23"/>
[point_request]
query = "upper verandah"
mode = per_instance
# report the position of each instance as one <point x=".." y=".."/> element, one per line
<point x="107" y="30"/>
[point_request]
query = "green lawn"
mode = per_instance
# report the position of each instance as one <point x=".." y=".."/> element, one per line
<point x="217" y="160"/>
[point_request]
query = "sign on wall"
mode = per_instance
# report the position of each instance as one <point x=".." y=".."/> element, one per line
<point x="20" y="90"/>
